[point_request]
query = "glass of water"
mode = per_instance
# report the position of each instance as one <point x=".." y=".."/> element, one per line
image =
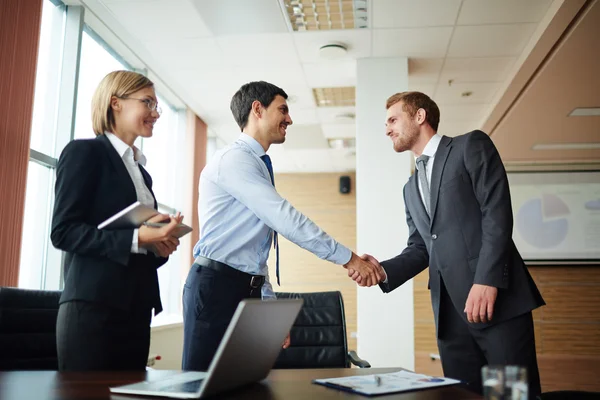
<point x="492" y="377"/>
<point x="516" y="386"/>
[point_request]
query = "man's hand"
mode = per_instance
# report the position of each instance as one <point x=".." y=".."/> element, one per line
<point x="286" y="342"/>
<point x="480" y="303"/>
<point x="371" y="274"/>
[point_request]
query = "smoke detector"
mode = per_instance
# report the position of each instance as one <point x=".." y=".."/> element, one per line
<point x="332" y="51"/>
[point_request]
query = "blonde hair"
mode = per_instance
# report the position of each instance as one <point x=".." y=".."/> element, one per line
<point x="412" y="101"/>
<point x="119" y="84"/>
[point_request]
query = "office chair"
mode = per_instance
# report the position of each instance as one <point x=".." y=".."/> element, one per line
<point x="28" y="329"/>
<point x="318" y="336"/>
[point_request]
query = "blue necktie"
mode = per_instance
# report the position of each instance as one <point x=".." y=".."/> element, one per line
<point x="267" y="161"/>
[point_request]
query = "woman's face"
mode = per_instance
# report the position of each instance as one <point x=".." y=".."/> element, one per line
<point x="135" y="114"/>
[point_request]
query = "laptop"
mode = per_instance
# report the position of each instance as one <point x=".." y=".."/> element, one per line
<point x="246" y="354"/>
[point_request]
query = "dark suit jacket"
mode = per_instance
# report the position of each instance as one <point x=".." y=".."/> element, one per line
<point x="92" y="184"/>
<point x="468" y="239"/>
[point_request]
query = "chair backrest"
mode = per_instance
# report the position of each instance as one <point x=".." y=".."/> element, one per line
<point x="318" y="336"/>
<point x="28" y="329"/>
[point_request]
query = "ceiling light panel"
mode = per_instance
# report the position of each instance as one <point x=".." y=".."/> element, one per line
<point x="335" y="97"/>
<point x="316" y="15"/>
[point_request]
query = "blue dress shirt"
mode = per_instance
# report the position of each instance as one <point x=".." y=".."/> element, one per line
<point x="239" y="209"/>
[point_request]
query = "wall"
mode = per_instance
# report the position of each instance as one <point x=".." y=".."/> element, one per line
<point x="317" y="196"/>
<point x="567" y="329"/>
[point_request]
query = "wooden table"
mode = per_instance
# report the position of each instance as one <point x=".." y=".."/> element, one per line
<point x="280" y="384"/>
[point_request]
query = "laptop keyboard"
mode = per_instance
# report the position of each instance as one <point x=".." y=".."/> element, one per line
<point x="184" y="387"/>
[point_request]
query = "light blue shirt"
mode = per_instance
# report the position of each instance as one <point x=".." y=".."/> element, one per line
<point x="239" y="209"/>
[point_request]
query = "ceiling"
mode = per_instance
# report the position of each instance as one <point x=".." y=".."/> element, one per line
<point x="565" y="78"/>
<point x="204" y="50"/>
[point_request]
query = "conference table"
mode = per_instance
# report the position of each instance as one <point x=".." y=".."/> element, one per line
<point x="280" y="384"/>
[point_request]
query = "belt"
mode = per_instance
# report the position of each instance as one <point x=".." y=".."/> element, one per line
<point x="253" y="281"/>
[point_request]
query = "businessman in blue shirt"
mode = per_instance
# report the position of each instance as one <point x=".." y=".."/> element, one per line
<point x="241" y="215"/>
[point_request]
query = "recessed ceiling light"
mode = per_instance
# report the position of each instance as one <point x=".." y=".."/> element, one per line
<point x="566" y="146"/>
<point x="585" y="112"/>
<point x="315" y="15"/>
<point x="332" y="51"/>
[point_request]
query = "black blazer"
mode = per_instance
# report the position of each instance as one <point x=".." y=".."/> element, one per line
<point x="469" y="236"/>
<point x="92" y="184"/>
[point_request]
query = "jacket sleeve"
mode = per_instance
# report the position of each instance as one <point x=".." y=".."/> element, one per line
<point x="76" y="186"/>
<point x="413" y="259"/>
<point x="490" y="186"/>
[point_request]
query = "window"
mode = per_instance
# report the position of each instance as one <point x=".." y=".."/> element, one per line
<point x="96" y="62"/>
<point x="40" y="261"/>
<point x="164" y="162"/>
<point x="53" y="123"/>
<point x="47" y="80"/>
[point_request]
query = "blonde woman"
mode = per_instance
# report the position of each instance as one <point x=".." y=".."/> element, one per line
<point x="110" y="276"/>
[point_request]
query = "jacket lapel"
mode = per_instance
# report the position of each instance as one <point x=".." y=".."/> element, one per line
<point x="148" y="182"/>
<point x="441" y="155"/>
<point x="121" y="174"/>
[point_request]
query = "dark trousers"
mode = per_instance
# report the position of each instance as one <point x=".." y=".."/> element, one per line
<point x="464" y="350"/>
<point x="210" y="298"/>
<point x="95" y="337"/>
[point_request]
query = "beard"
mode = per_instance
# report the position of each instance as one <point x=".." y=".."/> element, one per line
<point x="407" y="140"/>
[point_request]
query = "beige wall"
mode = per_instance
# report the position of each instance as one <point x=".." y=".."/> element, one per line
<point x="567" y="329"/>
<point x="318" y="197"/>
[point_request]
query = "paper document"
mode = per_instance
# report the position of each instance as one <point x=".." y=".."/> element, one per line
<point x="394" y="382"/>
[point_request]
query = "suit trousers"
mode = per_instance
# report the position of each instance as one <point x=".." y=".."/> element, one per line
<point x="464" y="350"/>
<point x="95" y="337"/>
<point x="210" y="298"/>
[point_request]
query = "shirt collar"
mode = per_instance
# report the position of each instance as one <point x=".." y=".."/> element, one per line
<point x="253" y="143"/>
<point x="431" y="146"/>
<point x="121" y="147"/>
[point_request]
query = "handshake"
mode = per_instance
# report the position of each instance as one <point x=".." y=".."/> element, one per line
<point x="365" y="270"/>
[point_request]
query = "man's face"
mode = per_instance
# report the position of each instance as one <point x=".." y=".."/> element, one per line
<point x="276" y="120"/>
<point x="401" y="128"/>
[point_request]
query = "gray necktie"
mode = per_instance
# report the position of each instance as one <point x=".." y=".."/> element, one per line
<point x="422" y="172"/>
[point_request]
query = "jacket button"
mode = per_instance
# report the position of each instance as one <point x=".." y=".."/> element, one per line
<point x="434" y="236"/>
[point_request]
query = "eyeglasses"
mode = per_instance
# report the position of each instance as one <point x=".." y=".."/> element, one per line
<point x="151" y="104"/>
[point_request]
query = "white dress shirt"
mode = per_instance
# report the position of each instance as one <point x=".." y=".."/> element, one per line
<point x="132" y="158"/>
<point x="429" y="150"/>
<point x="239" y="209"/>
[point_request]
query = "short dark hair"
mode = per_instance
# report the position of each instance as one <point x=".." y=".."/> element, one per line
<point x="412" y="101"/>
<point x="241" y="102"/>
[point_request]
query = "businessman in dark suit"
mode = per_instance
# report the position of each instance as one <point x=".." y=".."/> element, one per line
<point x="110" y="276"/>
<point x="459" y="215"/>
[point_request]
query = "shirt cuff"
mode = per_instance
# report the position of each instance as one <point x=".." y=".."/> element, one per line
<point x="386" y="278"/>
<point x="134" y="244"/>
<point x="341" y="255"/>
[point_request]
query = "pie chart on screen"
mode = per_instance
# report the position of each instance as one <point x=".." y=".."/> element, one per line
<point x="543" y="221"/>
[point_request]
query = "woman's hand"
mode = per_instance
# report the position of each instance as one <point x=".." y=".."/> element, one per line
<point x="160" y="239"/>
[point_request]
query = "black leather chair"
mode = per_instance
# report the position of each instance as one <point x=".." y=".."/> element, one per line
<point x="28" y="329"/>
<point x="569" y="395"/>
<point x="318" y="336"/>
